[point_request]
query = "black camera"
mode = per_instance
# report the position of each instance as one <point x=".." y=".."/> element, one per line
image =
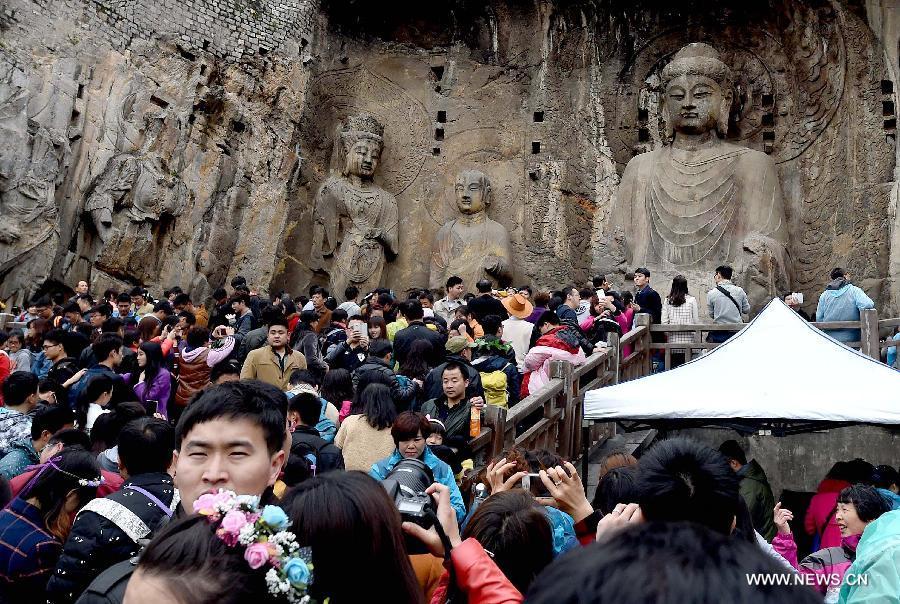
<point x="406" y="485"/>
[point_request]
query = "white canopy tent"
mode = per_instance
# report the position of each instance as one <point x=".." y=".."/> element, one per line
<point x="778" y="368"/>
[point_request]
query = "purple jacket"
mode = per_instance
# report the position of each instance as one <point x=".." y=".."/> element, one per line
<point x="829" y="565"/>
<point x="159" y="390"/>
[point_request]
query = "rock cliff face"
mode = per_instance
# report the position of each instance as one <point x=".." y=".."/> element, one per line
<point x="163" y="142"/>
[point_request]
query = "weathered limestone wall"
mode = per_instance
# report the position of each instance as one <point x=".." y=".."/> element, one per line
<point x="175" y="119"/>
<point x="205" y="128"/>
<point x="800" y="461"/>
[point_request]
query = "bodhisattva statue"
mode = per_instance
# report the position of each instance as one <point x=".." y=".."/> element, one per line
<point x="472" y="247"/>
<point x="355" y="220"/>
<point x="700" y="201"/>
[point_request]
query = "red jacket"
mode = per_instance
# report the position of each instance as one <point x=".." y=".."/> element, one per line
<point x="478" y="577"/>
<point x="820" y="509"/>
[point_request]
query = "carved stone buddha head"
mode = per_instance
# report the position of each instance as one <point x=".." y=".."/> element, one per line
<point x="698" y="92"/>
<point x="363" y="139"/>
<point x="473" y="192"/>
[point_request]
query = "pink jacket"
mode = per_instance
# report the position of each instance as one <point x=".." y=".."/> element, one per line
<point x="624" y="319"/>
<point x="537" y="364"/>
<point x="820" y="508"/>
<point x="828" y="564"/>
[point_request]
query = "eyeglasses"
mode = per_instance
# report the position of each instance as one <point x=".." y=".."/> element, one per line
<point x="49" y="346"/>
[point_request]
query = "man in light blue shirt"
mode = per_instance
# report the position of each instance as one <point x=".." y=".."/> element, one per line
<point x="842" y="301"/>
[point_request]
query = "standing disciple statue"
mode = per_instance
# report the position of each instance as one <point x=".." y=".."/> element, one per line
<point x="472" y="247"/>
<point x="355" y="220"/>
<point x="700" y="201"/>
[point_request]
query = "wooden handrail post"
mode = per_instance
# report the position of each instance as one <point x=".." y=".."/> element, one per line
<point x="642" y="319"/>
<point x="563" y="370"/>
<point x="869" y="341"/>
<point x="495" y="417"/>
<point x="615" y="355"/>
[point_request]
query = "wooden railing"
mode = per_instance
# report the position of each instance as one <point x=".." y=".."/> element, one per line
<point x="869" y="343"/>
<point x="551" y="418"/>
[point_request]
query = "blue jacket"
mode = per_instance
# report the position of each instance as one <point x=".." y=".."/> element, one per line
<point x="41" y="365"/>
<point x="843" y="304"/>
<point x="327" y="429"/>
<point x="878" y="560"/>
<point x="80" y="385"/>
<point x="892" y="498"/>
<point x="442" y="474"/>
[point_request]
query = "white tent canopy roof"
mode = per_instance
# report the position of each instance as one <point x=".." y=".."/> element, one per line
<point x="777" y="367"/>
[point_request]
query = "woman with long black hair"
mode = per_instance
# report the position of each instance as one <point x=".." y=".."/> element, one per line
<point x="151" y="381"/>
<point x="680" y="308"/>
<point x="358" y="550"/>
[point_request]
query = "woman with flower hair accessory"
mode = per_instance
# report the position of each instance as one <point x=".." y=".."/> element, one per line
<point x="233" y="551"/>
<point x="35" y="524"/>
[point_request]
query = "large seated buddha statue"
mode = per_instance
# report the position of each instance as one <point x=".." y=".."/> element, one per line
<point x="700" y="201"/>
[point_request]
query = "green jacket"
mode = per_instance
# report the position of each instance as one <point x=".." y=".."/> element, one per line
<point x="757" y="494"/>
<point x="455" y="420"/>
<point x="875" y="573"/>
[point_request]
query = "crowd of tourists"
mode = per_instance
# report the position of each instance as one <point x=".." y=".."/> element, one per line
<point x="314" y="448"/>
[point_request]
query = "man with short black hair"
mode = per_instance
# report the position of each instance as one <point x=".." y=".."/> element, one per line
<point x="304" y="413"/>
<point x="72" y="316"/>
<point x="47" y="420"/>
<point x="231" y="437"/>
<point x="244" y="322"/>
<point x="681" y="480"/>
<point x="726" y="302"/>
<point x="446" y="307"/>
<point x="110" y="530"/>
<point x="453" y="407"/>
<point x="416" y="330"/>
<point x="274" y="363"/>
<point x="379" y="362"/>
<point x="352" y="352"/>
<point x="319" y="295"/>
<point x="459" y="351"/>
<point x="62" y="367"/>
<point x="43" y="308"/>
<point x="123" y="308"/>
<point x="220" y="310"/>
<point x="485" y="303"/>
<point x="495" y="361"/>
<point x="567" y="310"/>
<point x="183" y="302"/>
<point x="256" y="338"/>
<point x="85" y="302"/>
<point x="842" y="301"/>
<point x="646" y="299"/>
<point x="108" y="354"/>
<point x="754" y="488"/>
<point x="351" y="306"/>
<point x="20" y="395"/>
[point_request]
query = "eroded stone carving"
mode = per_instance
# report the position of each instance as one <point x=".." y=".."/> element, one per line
<point x="133" y="192"/>
<point x="32" y="160"/>
<point x="355" y="221"/>
<point x="700" y="201"/>
<point x="472" y="247"/>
